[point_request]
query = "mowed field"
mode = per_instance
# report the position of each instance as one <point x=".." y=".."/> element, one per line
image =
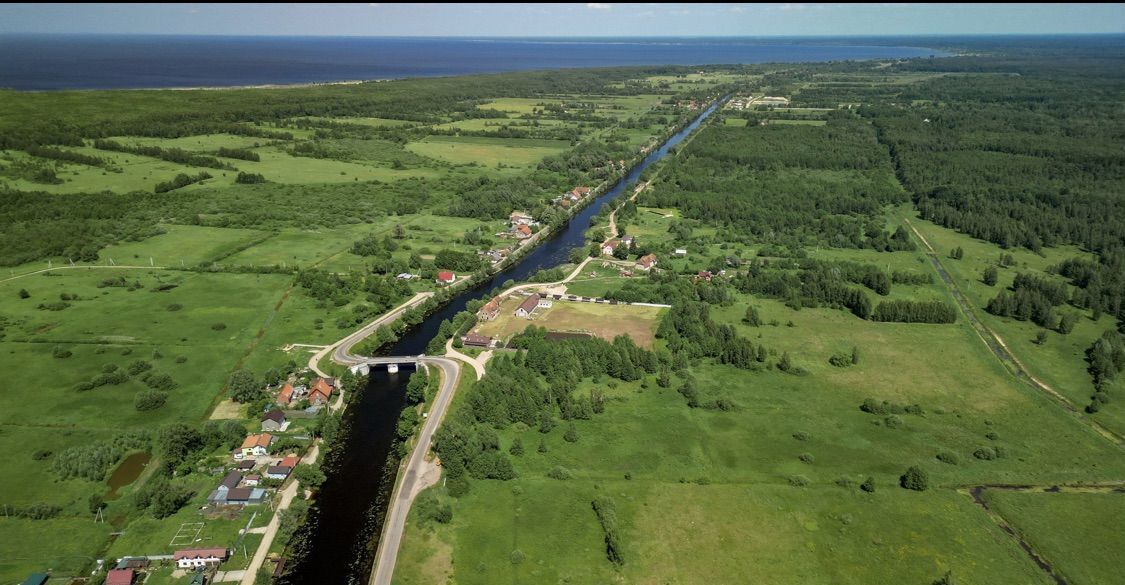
<point x="599" y="319"/>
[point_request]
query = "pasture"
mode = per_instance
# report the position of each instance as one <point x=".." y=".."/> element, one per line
<point x="488" y="152"/>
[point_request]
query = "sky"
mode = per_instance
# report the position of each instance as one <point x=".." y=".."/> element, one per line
<point x="564" y="20"/>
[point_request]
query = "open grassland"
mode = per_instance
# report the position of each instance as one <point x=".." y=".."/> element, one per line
<point x="1079" y="533"/>
<point x="487" y="152"/>
<point x="29" y="546"/>
<point x="699" y="489"/>
<point x="182" y="245"/>
<point x="1061" y="361"/>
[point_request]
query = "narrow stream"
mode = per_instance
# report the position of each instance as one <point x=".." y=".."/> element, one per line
<point x="343" y="530"/>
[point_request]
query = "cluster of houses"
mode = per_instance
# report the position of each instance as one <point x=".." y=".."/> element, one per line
<point x="574" y="195"/>
<point x="131" y="570"/>
<point x="519" y="225"/>
<point x="241" y="486"/>
<point x="610" y="246"/>
<point x="317" y="393"/>
<point x="744" y="102"/>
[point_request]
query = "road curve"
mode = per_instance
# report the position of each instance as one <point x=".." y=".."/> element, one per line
<point x="341" y="350"/>
<point x="418" y="474"/>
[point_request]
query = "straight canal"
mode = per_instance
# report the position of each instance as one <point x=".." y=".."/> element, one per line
<point x="338" y="543"/>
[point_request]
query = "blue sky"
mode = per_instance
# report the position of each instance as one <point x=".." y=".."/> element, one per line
<point x="567" y="20"/>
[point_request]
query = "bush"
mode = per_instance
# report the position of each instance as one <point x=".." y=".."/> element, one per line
<point x="559" y="472"/>
<point x="174" y="307"/>
<point x="149" y="400"/>
<point x="571" y="435"/>
<point x="948" y="457"/>
<point x="868" y="485"/>
<point x="61" y="352"/>
<point x="806" y="458"/>
<point x="798" y="480"/>
<point x="801" y="436"/>
<point x="219" y="326"/>
<point x="138" y="367"/>
<point x="915" y="479"/>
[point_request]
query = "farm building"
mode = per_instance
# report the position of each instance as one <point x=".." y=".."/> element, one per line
<point x="646" y="262"/>
<point x="477" y="340"/>
<point x="531" y="304"/>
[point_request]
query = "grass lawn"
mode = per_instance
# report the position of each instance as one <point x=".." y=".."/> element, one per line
<point x="488" y="152"/>
<point x="1079" y="533"/>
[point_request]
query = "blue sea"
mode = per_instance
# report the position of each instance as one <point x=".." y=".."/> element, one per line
<point x="54" y="62"/>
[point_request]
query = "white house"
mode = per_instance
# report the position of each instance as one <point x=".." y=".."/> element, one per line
<point x="190" y="558"/>
<point x="255" y="446"/>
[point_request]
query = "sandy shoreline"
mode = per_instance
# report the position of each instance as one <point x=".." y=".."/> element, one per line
<point x="263" y="86"/>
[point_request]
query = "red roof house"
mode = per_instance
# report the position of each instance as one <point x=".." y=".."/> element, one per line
<point x="289" y="461"/>
<point x="286" y="394"/>
<point x="320" y="392"/>
<point x="446" y="277"/>
<point x="119" y="577"/>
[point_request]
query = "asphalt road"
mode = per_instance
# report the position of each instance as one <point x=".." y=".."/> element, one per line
<point x="418" y="474"/>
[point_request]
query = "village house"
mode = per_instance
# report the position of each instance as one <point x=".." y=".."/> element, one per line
<point x="522" y="231"/>
<point x="286" y="395"/>
<point x="290" y="461"/>
<point x="628" y="241"/>
<point x="405" y="276"/>
<point x="322" y="390"/>
<point x="610" y="246"/>
<point x="446" y="277"/>
<point x="520" y="218"/>
<point x="245" y="465"/>
<point x="680" y="252"/>
<point x="646" y="262"/>
<point x="274" y="420"/>
<point x="252" y="480"/>
<point x="120" y="577"/>
<point x="243" y="496"/>
<point x="703" y="275"/>
<point x="278" y="472"/>
<point x="255" y="446"/>
<point x="490" y="310"/>
<point x="581" y="191"/>
<point x="190" y="558"/>
<point x="476" y="340"/>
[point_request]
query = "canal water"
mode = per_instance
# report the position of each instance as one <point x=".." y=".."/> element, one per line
<point x="343" y="530"/>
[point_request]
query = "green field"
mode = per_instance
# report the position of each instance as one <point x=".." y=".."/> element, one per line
<point x="487" y="152"/>
<point x="1079" y="532"/>
<point x="1061" y="361"/>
